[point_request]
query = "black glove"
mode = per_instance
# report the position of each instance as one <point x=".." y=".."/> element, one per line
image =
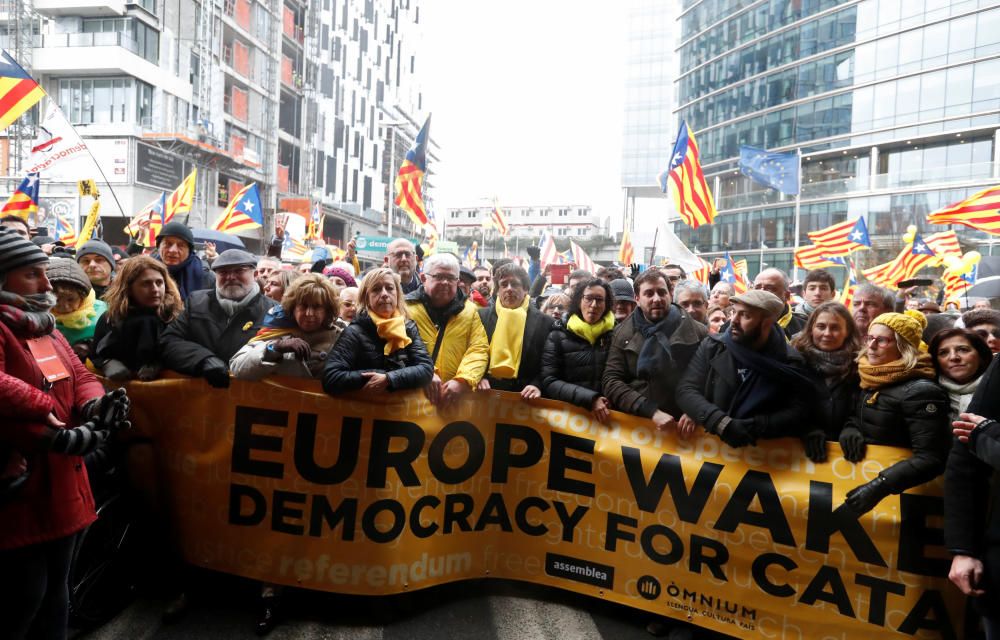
<point x="419" y="250"/>
<point x="108" y="411"/>
<point x="116" y="370"/>
<point x="815" y="445"/>
<point x="291" y="344"/>
<point x="215" y="373"/>
<point x="634" y="270"/>
<point x="78" y="441"/>
<point x="534" y="253"/>
<point x="739" y="433"/>
<point x="852" y="443"/>
<point x="863" y="498"/>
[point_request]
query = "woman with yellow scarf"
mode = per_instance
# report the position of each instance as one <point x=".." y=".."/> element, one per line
<point x="575" y="353"/>
<point x="77" y="308"/>
<point x="900" y="405"/>
<point x="381" y="351"/>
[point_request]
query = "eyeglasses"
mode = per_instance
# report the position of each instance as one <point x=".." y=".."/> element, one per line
<point x="593" y="299"/>
<point x="557" y="307"/>
<point x="403" y="253"/>
<point x="232" y="273"/>
<point x="442" y="277"/>
<point x="881" y="341"/>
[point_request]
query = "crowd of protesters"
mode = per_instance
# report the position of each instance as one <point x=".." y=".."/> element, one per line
<point x="651" y="343"/>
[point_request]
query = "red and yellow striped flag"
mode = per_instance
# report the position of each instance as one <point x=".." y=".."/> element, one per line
<point x="18" y="91"/>
<point x="182" y="198"/>
<point x="626" y="253"/>
<point x="980" y="211"/>
<point x="686" y="180"/>
<point x="410" y="179"/>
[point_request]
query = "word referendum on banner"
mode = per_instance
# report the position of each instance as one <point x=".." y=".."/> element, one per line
<point x="278" y="482"/>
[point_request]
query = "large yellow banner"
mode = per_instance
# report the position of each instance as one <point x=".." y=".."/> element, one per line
<point x="277" y="481"/>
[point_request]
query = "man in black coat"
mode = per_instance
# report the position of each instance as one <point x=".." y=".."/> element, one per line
<point x="748" y="382"/>
<point x="216" y="323"/>
<point x="523" y="373"/>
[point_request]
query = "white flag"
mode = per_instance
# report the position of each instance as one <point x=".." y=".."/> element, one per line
<point x="670" y="247"/>
<point x="58" y="141"/>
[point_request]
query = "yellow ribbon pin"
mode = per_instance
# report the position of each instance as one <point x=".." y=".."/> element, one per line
<point x="247" y="326"/>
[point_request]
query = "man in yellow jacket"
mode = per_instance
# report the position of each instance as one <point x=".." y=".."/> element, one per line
<point x="450" y="327"/>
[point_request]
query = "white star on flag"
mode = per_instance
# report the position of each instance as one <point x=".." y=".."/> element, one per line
<point x="248" y="205"/>
<point x="677" y="159"/>
<point x="920" y="248"/>
<point x="32" y="179"/>
<point x="726" y="274"/>
<point x="856" y="236"/>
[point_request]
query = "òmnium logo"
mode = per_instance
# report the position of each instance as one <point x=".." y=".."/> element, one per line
<point x="649" y="587"/>
<point x="599" y="575"/>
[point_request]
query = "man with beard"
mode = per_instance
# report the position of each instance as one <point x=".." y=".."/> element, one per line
<point x="482" y="288"/>
<point x="450" y="327"/>
<point x="216" y="323"/>
<point x="748" y="382"/>
<point x="98" y="263"/>
<point x="776" y="281"/>
<point x="869" y="302"/>
<point x="649" y="350"/>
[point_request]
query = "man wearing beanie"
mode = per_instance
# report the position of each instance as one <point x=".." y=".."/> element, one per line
<point x="175" y="248"/>
<point x="98" y="262"/>
<point x="748" y="382"/>
<point x="77" y="308"/>
<point x="216" y="323"/>
<point x="55" y="411"/>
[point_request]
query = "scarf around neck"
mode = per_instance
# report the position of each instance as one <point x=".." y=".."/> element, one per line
<point x="959" y="395"/>
<point x="188" y="275"/>
<point x="591" y="332"/>
<point x="832" y="365"/>
<point x="508" y="340"/>
<point x="232" y="307"/>
<point x="878" y="376"/>
<point x="82" y="317"/>
<point x="28" y="316"/>
<point x="654" y="356"/>
<point x="392" y="330"/>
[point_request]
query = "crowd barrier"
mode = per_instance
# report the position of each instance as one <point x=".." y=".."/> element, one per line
<point x="279" y="482"/>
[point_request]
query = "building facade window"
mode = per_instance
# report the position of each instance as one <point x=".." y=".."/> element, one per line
<point x="105" y="100"/>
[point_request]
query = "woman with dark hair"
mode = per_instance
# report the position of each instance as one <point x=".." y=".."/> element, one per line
<point x="829" y="343"/>
<point x="960" y="358"/>
<point x="142" y="300"/>
<point x="899" y="405"/>
<point x="381" y="351"/>
<point x="575" y="353"/>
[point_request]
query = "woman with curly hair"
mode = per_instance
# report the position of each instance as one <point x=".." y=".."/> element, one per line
<point x="141" y="300"/>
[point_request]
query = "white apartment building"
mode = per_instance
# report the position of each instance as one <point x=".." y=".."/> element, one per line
<point x="567" y="220"/>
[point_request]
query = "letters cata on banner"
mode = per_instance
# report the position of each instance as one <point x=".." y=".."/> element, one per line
<point x="278" y="482"/>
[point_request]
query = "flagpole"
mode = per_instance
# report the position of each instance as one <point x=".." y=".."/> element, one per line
<point x="798" y="210"/>
<point x="392" y="179"/>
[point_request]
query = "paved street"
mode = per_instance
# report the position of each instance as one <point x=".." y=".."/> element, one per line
<point x="476" y="610"/>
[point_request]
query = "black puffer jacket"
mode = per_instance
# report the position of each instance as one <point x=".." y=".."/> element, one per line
<point x="911" y="414"/>
<point x="360" y="349"/>
<point x="203" y="331"/>
<point x="536" y="331"/>
<point x="572" y="367"/>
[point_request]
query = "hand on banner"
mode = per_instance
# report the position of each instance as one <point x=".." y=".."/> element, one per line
<point x="600" y="409"/>
<point x="967" y="574"/>
<point x="664" y="421"/>
<point x="738" y="433"/>
<point x="814" y="443"/>
<point x="686" y="426"/>
<point x="852" y="443"/>
<point x="530" y="392"/>
<point x="963" y="428"/>
<point x="377" y="382"/>
<point x="863" y="498"/>
<point x="215" y="373"/>
<point x="433" y="390"/>
<point x="484" y="385"/>
<point x="450" y="391"/>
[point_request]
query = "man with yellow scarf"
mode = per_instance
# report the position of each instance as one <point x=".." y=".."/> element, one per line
<point x="517" y="332"/>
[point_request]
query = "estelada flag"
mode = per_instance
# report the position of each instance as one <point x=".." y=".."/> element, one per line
<point x="733" y="276"/>
<point x="409" y="181"/>
<point x="979" y="211"/>
<point x="18" y="91"/>
<point x="685" y="181"/>
<point x="182" y="198"/>
<point x="24" y="201"/>
<point x="626" y="253"/>
<point x="65" y="231"/>
<point x="499" y="219"/>
<point x="243" y="213"/>
<point x="842" y="238"/>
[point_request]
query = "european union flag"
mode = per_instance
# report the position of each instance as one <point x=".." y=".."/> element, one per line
<point x="778" y="170"/>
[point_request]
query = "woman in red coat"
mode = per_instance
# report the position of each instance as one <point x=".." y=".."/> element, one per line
<point x="46" y="400"/>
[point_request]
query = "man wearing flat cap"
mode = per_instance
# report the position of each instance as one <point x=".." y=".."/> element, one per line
<point x="217" y="322"/>
<point x="748" y="382"/>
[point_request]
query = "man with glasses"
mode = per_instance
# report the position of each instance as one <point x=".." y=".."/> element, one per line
<point x="985" y="322"/>
<point x="517" y="332"/>
<point x="776" y="281"/>
<point x="674" y="272"/>
<point x="216" y="323"/>
<point x="450" y="328"/>
<point x="403" y="262"/>
<point x="690" y="295"/>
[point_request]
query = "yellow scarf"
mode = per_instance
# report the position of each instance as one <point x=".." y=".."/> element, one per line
<point x="508" y="339"/>
<point x="591" y="332"/>
<point x="393" y="331"/>
<point x="878" y="376"/>
<point x="80" y="318"/>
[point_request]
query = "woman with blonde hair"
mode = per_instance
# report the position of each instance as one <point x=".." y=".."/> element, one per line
<point x="381" y="351"/>
<point x="899" y="405"/>
<point x="278" y="281"/>
<point x="142" y="300"/>
<point x="296" y="336"/>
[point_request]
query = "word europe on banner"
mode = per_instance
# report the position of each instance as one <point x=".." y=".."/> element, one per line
<point x="278" y="482"/>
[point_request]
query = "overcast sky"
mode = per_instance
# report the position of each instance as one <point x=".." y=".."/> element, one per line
<point x="526" y="97"/>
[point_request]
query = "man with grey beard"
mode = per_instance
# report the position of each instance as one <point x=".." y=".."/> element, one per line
<point x="216" y="323"/>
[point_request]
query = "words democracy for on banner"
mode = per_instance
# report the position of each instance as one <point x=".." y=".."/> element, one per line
<point x="278" y="482"/>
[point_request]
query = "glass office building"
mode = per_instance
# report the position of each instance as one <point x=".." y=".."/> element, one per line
<point x="894" y="104"/>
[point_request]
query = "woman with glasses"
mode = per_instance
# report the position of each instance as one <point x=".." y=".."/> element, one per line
<point x="556" y="305"/>
<point x="575" y="353"/>
<point x="900" y="405"/>
<point x="829" y="343"/>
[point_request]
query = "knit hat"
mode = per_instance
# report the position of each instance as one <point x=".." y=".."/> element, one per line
<point x="178" y="230"/>
<point x="16" y="252"/>
<point x="348" y="279"/>
<point x="909" y="324"/>
<point x="763" y="300"/>
<point x="67" y="271"/>
<point x="98" y="247"/>
<point x="622" y="290"/>
<point x="465" y="275"/>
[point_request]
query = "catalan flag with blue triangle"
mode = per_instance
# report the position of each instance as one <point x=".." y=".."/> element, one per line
<point x="685" y="181"/>
<point x="842" y="238"/>
<point x="409" y="181"/>
<point x="65" y="231"/>
<point x="731" y="274"/>
<point x="243" y="213"/>
<point x="24" y="201"/>
<point x="18" y="90"/>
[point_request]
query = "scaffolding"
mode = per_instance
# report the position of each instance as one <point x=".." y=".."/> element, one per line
<point x="21" y="27"/>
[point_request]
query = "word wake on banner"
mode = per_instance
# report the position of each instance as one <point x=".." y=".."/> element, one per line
<point x="278" y="482"/>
